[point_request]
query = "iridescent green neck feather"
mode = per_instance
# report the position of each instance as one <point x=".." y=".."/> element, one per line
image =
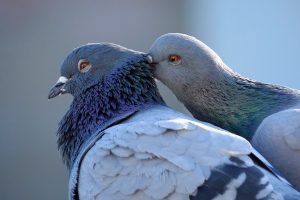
<point x="238" y="104"/>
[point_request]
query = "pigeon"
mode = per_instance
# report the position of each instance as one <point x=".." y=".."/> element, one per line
<point x="267" y="115"/>
<point x="120" y="140"/>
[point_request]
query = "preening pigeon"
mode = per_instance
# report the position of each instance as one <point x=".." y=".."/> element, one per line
<point x="120" y="140"/>
<point x="267" y="115"/>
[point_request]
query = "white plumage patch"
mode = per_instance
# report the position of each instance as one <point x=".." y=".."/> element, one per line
<point x="231" y="188"/>
<point x="62" y="79"/>
<point x="158" y="154"/>
<point x="264" y="192"/>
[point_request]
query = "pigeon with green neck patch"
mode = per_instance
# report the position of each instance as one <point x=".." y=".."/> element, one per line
<point x="121" y="142"/>
<point x="267" y="115"/>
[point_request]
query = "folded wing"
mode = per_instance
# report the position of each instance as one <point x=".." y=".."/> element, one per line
<point x="162" y="154"/>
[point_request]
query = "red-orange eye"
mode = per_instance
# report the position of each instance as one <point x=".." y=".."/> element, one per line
<point x="84" y="65"/>
<point x="175" y="59"/>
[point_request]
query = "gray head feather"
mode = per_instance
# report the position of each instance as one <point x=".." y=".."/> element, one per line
<point x="112" y="83"/>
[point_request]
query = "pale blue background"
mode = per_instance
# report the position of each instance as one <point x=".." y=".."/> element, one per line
<point x="259" y="39"/>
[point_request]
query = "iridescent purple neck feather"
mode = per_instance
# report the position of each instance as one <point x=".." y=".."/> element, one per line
<point x="119" y="94"/>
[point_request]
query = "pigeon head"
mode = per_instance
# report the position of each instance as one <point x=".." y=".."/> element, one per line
<point x="109" y="83"/>
<point x="180" y="60"/>
<point x="86" y="66"/>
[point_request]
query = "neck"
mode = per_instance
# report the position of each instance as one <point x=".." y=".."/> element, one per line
<point x="238" y="104"/>
<point x="100" y="106"/>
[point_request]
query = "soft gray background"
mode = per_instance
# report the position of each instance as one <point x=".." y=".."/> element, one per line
<point x="259" y="39"/>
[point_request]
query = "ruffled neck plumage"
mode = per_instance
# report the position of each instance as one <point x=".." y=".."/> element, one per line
<point x="125" y="91"/>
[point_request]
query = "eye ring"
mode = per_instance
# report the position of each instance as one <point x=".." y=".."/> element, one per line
<point x="175" y="59"/>
<point x="84" y="65"/>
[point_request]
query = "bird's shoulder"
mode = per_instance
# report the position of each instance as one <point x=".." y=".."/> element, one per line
<point x="284" y="124"/>
<point x="163" y="154"/>
<point x="280" y="133"/>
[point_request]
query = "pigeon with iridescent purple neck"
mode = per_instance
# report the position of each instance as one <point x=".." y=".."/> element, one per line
<point x="268" y="115"/>
<point x="120" y="140"/>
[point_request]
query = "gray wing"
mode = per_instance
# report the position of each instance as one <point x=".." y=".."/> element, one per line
<point x="164" y="155"/>
<point x="278" y="140"/>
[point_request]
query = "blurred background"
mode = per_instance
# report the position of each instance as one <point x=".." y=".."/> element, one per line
<point x="259" y="39"/>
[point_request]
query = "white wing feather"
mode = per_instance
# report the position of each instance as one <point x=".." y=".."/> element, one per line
<point x="157" y="154"/>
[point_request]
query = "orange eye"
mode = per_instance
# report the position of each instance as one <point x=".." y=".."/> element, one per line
<point x="175" y="59"/>
<point x="84" y="65"/>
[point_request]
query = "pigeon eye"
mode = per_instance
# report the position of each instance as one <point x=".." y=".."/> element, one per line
<point x="175" y="59"/>
<point x="84" y="65"/>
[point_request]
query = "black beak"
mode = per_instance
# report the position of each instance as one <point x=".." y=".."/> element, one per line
<point x="58" y="88"/>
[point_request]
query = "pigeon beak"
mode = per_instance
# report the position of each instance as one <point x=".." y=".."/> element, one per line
<point x="149" y="59"/>
<point x="58" y="88"/>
